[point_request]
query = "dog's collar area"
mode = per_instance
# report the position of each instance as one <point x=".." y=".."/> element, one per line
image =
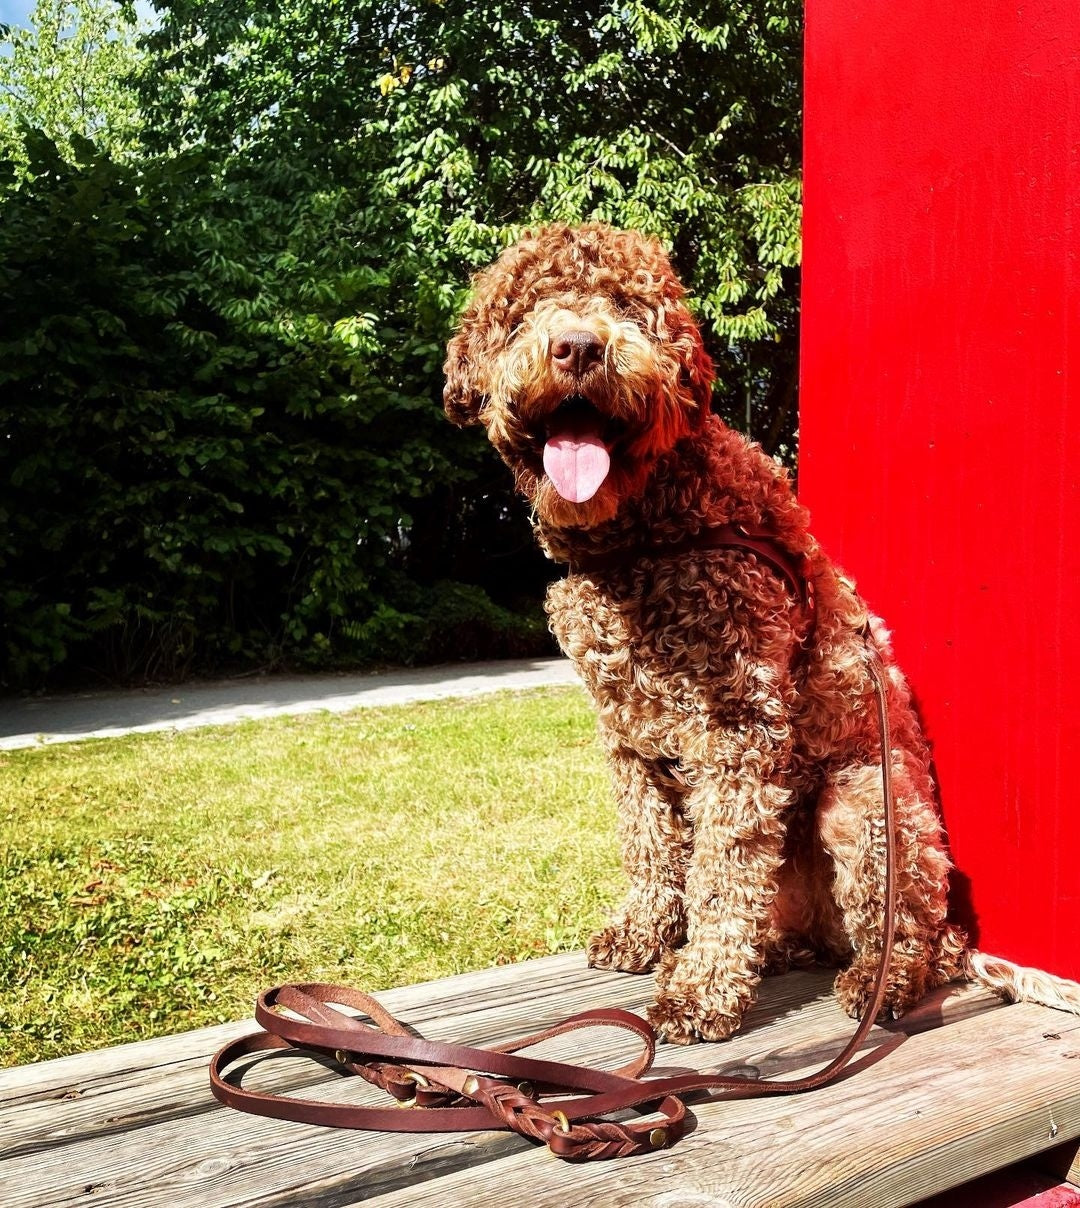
<point x="794" y="569"/>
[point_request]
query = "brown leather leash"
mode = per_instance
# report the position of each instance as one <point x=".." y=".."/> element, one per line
<point x="453" y="1087"/>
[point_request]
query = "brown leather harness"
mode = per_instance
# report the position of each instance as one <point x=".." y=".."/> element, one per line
<point x="794" y="569"/>
<point x="460" y="1087"/>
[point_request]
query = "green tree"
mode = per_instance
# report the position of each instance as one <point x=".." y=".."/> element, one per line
<point x="203" y="466"/>
<point x="71" y="75"/>
<point x="454" y="124"/>
<point x="442" y="129"/>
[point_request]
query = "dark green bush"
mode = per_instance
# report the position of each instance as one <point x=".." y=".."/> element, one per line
<point x="450" y="621"/>
<point x="200" y="474"/>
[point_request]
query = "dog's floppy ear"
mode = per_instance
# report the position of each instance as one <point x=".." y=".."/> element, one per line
<point x="698" y="371"/>
<point x="462" y="398"/>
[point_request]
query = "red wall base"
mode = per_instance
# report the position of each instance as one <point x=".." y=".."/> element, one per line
<point x="940" y="441"/>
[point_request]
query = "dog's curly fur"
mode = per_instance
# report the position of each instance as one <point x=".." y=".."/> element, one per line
<point x="742" y="740"/>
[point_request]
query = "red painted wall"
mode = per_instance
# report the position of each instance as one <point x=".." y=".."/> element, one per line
<point x="940" y="432"/>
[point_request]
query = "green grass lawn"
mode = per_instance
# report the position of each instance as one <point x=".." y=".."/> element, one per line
<point x="155" y="883"/>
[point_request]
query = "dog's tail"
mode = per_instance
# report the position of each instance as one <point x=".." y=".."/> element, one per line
<point x="1020" y="983"/>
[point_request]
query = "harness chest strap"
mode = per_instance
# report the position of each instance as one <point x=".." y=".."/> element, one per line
<point x="793" y="568"/>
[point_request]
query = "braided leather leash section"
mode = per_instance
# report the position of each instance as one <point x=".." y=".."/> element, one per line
<point x="453" y="1087"/>
<point x="456" y="1087"/>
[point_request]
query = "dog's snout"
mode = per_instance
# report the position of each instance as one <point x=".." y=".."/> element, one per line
<point x="577" y="351"/>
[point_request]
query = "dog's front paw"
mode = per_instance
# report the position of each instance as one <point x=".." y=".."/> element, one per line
<point x="625" y="947"/>
<point x="683" y="1020"/>
<point x="643" y="930"/>
<point x="695" y="1004"/>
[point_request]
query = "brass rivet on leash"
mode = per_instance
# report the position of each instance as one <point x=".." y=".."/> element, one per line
<point x="471" y="1085"/>
<point x="658" y="1137"/>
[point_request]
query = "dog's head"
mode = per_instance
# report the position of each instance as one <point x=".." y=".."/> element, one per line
<point x="580" y="357"/>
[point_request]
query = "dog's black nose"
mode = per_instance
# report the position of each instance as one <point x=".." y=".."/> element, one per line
<point x="577" y="351"/>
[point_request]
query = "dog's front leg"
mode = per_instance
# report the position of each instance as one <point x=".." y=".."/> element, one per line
<point x="737" y="806"/>
<point x="655" y="841"/>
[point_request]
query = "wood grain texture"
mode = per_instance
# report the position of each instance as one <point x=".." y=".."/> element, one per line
<point x="136" y="1125"/>
<point x="943" y="1107"/>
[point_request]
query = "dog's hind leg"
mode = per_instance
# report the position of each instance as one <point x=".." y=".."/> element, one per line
<point x="928" y="951"/>
<point x="655" y="837"/>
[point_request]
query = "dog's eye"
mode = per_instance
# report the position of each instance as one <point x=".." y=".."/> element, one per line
<point x="643" y="316"/>
<point x="647" y="324"/>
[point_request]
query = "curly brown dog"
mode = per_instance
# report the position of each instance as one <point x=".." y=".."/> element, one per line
<point x="741" y="734"/>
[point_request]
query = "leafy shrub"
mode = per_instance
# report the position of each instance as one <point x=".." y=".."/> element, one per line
<point x="450" y="621"/>
<point x="200" y="474"/>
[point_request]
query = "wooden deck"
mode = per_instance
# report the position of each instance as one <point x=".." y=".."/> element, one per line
<point x="963" y="1086"/>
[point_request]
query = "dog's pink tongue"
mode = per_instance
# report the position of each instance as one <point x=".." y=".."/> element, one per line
<point x="577" y="464"/>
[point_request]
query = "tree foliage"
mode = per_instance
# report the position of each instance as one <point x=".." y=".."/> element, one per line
<point x="220" y="346"/>
<point x="67" y="76"/>
<point x="456" y="124"/>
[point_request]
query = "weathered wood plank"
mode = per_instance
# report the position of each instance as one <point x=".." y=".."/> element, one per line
<point x="145" y="1130"/>
<point x="111" y="1090"/>
<point x="945" y="1106"/>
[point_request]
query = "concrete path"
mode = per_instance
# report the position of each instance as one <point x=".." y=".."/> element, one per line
<point x="36" y="721"/>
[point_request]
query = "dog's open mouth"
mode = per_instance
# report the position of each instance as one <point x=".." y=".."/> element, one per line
<point x="577" y="448"/>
